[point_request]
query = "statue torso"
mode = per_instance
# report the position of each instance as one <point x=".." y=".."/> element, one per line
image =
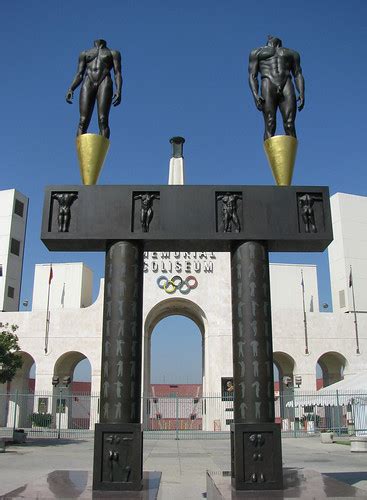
<point x="276" y="63"/>
<point x="99" y="62"/>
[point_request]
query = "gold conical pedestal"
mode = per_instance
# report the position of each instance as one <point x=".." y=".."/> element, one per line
<point x="281" y="152"/>
<point x="92" y="150"/>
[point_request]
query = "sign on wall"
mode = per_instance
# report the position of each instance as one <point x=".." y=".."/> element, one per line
<point x="172" y="263"/>
<point x="227" y="388"/>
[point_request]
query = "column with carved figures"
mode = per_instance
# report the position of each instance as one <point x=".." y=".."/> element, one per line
<point x="255" y="438"/>
<point x="118" y="440"/>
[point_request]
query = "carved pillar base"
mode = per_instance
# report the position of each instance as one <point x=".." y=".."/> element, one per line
<point x="118" y="457"/>
<point x="256" y="456"/>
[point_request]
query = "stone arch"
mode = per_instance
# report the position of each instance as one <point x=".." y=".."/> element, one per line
<point x="66" y="363"/>
<point x="173" y="306"/>
<point x="285" y="364"/>
<point x="332" y="365"/>
<point x="69" y="410"/>
<point x="21" y="398"/>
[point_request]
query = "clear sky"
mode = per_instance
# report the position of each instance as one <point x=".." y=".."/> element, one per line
<point x="185" y="73"/>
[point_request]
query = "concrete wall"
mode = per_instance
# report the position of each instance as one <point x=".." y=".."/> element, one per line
<point x="349" y="248"/>
<point x="71" y="286"/>
<point x="12" y="225"/>
<point x="286" y="288"/>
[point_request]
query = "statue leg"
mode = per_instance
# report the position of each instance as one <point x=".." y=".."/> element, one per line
<point x="86" y="105"/>
<point x="226" y="222"/>
<point x="104" y="100"/>
<point x="60" y="221"/>
<point x="66" y="222"/>
<point x="149" y="218"/>
<point x="288" y="108"/>
<point x="236" y="222"/>
<point x="268" y="92"/>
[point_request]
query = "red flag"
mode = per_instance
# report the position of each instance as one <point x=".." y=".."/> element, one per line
<point x="51" y="275"/>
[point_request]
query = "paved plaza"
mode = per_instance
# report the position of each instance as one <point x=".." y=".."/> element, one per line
<point x="183" y="463"/>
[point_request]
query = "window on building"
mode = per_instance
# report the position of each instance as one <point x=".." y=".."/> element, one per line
<point x="19" y="208"/>
<point x="11" y="292"/>
<point x="341" y="298"/>
<point x="15" y="246"/>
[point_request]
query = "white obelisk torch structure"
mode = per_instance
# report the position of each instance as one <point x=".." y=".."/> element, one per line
<point x="176" y="164"/>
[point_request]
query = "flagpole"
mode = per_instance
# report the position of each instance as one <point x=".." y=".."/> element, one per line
<point x="48" y="310"/>
<point x="304" y="314"/>
<point x="351" y="285"/>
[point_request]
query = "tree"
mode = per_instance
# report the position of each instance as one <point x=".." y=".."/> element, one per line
<point x="10" y="360"/>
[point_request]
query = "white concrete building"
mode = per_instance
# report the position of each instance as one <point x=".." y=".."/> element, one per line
<point x="13" y="220"/>
<point x="300" y="341"/>
<point x="349" y="248"/>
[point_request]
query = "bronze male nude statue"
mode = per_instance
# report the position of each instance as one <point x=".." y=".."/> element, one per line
<point x="276" y="65"/>
<point x="94" y="73"/>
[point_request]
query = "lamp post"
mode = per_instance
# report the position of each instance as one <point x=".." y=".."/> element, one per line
<point x="55" y="382"/>
<point x="297" y="383"/>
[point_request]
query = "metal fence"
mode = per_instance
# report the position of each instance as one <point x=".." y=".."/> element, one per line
<point x="343" y="412"/>
<point x="63" y="414"/>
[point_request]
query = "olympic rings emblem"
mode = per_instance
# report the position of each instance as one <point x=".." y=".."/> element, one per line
<point x="177" y="283"/>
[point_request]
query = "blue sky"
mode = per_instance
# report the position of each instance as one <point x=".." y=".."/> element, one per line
<point x="185" y="73"/>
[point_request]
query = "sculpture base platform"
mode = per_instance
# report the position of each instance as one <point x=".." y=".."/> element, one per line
<point x="118" y="457"/>
<point x="298" y="483"/>
<point x="256" y="456"/>
<point x="78" y="484"/>
<point x="281" y="152"/>
<point x="92" y="150"/>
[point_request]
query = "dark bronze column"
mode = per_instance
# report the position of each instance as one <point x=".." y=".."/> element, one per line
<point x="252" y="340"/>
<point x="118" y="442"/>
<point x="121" y="347"/>
<point x="255" y="437"/>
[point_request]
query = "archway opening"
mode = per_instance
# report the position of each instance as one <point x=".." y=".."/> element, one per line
<point x="82" y="377"/>
<point x="330" y="369"/>
<point x="284" y="386"/>
<point x="71" y="402"/>
<point x="176" y="374"/>
<point x="174" y="365"/>
<point x="32" y="378"/>
<point x="176" y="352"/>
<point x="20" y="400"/>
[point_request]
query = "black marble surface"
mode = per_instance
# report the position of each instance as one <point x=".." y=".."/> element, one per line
<point x="78" y="484"/>
<point x="305" y="484"/>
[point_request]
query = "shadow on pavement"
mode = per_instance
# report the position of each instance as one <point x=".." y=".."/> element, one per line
<point x="43" y="442"/>
<point x="348" y="477"/>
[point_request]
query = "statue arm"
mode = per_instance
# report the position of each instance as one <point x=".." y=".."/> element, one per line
<point x="118" y="77"/>
<point x="253" y="71"/>
<point x="299" y="81"/>
<point x="78" y="77"/>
